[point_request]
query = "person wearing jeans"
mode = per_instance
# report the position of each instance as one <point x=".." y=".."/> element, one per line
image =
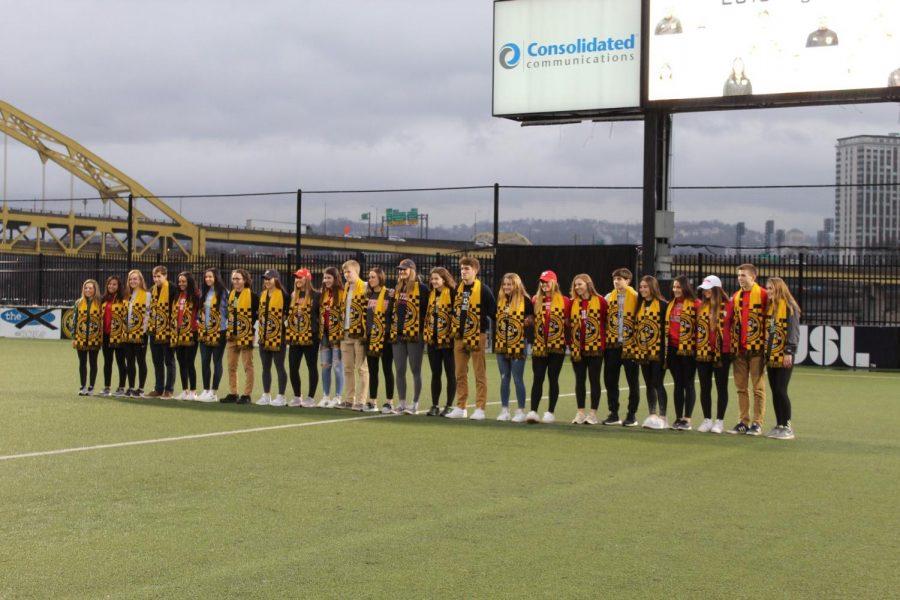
<point x="681" y="324"/>
<point x="782" y="337"/>
<point x="514" y="323"/>
<point x="472" y="309"/>
<point x="438" y="335"/>
<point x="301" y="333"/>
<point x="714" y="351"/>
<point x="353" y="340"/>
<point x="620" y="316"/>
<point x="137" y="319"/>
<point x="587" y="321"/>
<point x="409" y="307"/>
<point x="213" y="317"/>
<point x="161" y="298"/>
<point x="748" y="345"/>
<point x="649" y="349"/>
<point x="551" y="332"/>
<point x="243" y="308"/>
<point x="331" y="326"/>
<point x="272" y="302"/>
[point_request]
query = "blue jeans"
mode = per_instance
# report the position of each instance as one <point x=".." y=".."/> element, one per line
<point x="514" y="367"/>
<point x="330" y="360"/>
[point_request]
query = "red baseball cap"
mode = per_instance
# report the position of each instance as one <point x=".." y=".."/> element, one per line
<point x="303" y="273"/>
<point x="548" y="276"/>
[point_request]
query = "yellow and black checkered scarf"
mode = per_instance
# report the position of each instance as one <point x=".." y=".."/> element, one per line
<point x="776" y="333"/>
<point x="709" y="333"/>
<point x="88" y="325"/>
<point x="271" y="319"/>
<point x="182" y="332"/>
<point x="117" y="331"/>
<point x="628" y="315"/>
<point x="510" y="337"/>
<point x="687" y="324"/>
<point x="137" y="316"/>
<point x="211" y="329"/>
<point x="160" y="319"/>
<point x="298" y="325"/>
<point x="470" y="331"/>
<point x="647" y="346"/>
<point x="334" y="305"/>
<point x="358" y="304"/>
<point x="755" y="322"/>
<point x="594" y="340"/>
<point x="240" y="318"/>
<point x="411" y="323"/>
<point x="377" y="326"/>
<point x="439" y="319"/>
<point x="555" y="340"/>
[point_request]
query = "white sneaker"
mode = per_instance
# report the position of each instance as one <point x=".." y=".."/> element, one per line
<point x="663" y="422"/>
<point x="705" y="426"/>
<point x="579" y="419"/>
<point x="296" y="402"/>
<point x="504" y="414"/>
<point x="415" y="408"/>
<point x="478" y="415"/>
<point x="210" y="397"/>
<point x="325" y="402"/>
<point x="182" y="396"/>
<point x="591" y="419"/>
<point x="519" y="417"/>
<point x="548" y="417"/>
<point x="533" y="417"/>
<point x="201" y="397"/>
<point x="409" y="410"/>
<point x="335" y="402"/>
<point x="191" y="395"/>
<point x="308" y="402"/>
<point x="458" y="413"/>
<point x="718" y="426"/>
<point x="278" y="401"/>
<point x="264" y="400"/>
<point x="650" y="422"/>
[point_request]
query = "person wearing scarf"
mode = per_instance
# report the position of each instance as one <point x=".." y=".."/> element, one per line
<point x="650" y="350"/>
<point x="438" y="335"/>
<point x="184" y="331"/>
<point x="137" y="320"/>
<point x="113" y="310"/>
<point x="473" y="307"/>
<point x="378" y="349"/>
<point x="271" y="338"/>
<point x="782" y="337"/>
<point x="213" y="330"/>
<point x="620" y="323"/>
<point x="587" y="321"/>
<point x="681" y="319"/>
<point x="332" y="307"/>
<point x="748" y="349"/>
<point x="353" y="338"/>
<point x="551" y="332"/>
<point x="161" y="299"/>
<point x="714" y="351"/>
<point x="301" y="332"/>
<point x="512" y="332"/>
<point x="409" y="306"/>
<point x="243" y="310"/>
<point x="88" y="335"/>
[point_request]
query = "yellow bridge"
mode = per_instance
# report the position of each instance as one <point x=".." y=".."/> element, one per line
<point x="34" y="232"/>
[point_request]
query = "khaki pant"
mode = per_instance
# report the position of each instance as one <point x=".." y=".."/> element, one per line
<point x="462" y="355"/>
<point x="246" y="357"/>
<point x="748" y="371"/>
<point x="353" y="353"/>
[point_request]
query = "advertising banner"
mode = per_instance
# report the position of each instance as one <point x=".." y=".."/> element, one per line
<point x="30" y="322"/>
<point x="726" y="48"/>
<point x="566" y="56"/>
<point x="861" y="347"/>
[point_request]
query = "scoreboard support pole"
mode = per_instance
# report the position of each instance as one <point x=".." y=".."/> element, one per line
<point x="658" y="221"/>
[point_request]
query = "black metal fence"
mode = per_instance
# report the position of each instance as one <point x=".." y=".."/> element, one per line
<point x="52" y="280"/>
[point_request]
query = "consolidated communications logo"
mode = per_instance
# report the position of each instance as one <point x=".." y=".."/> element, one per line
<point x="581" y="51"/>
<point x="509" y="56"/>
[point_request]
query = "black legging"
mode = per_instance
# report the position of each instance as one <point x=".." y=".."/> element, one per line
<point x="268" y="357"/>
<point x="136" y="364"/>
<point x="187" y="370"/>
<point x="85" y="357"/>
<point x="110" y="353"/>
<point x="587" y="369"/>
<point x="683" y="369"/>
<point x="543" y="366"/>
<point x="657" y="398"/>
<point x="387" y="364"/>
<point x="298" y="354"/>
<point x="438" y="358"/>
<point x="614" y="364"/>
<point x="705" y="372"/>
<point x="211" y="365"/>
<point x="778" y="382"/>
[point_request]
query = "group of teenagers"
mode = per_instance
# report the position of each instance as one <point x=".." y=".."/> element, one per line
<point x="354" y="328"/>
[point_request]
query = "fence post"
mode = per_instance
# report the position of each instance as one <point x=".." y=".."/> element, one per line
<point x="496" y="214"/>
<point x="222" y="263"/>
<point x="297" y="234"/>
<point x="130" y="244"/>
<point x="801" y="286"/>
<point x="699" y="269"/>
<point x="40" y="286"/>
<point x="97" y="268"/>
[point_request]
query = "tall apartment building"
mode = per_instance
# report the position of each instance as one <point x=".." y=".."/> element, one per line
<point x="867" y="216"/>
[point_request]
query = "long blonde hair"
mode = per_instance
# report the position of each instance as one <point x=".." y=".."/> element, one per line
<point x="781" y="292"/>
<point x="539" y="297"/>
<point x="411" y="281"/>
<point x="140" y="275"/>
<point x="96" y="285"/>
<point x="588" y="282"/>
<point x="519" y="291"/>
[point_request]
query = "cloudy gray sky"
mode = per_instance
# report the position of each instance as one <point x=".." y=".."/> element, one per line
<point x="216" y="96"/>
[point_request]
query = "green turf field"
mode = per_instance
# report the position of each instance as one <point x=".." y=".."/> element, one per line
<point x="423" y="507"/>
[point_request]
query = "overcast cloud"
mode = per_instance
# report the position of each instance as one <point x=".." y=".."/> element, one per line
<point x="209" y="97"/>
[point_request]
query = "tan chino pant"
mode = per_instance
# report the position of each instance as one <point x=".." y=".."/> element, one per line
<point x="353" y="353"/>
<point x="461" y="356"/>
<point x="749" y="372"/>
<point x="245" y="355"/>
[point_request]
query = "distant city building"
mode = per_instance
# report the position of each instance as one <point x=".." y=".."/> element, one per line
<point x="867" y="216"/>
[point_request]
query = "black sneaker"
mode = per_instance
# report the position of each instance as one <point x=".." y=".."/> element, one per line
<point x="138" y="392"/>
<point x="82" y="392"/>
<point x="447" y="410"/>
<point x="754" y="429"/>
<point x="129" y="393"/>
<point x="739" y="428"/>
<point x="434" y="411"/>
<point x="229" y="399"/>
<point x="629" y="421"/>
<point x="612" y="419"/>
<point x="243" y="400"/>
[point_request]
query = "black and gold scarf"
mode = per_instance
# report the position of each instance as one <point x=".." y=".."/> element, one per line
<point x="469" y="331"/>
<point x="358" y="304"/>
<point x="648" y="340"/>
<point x="377" y="326"/>
<point x="411" y="323"/>
<point x="182" y="331"/>
<point x="755" y="322"/>
<point x="510" y="337"/>
<point x="211" y="329"/>
<point x="240" y="318"/>
<point x="160" y="319"/>
<point x="594" y="341"/>
<point x="687" y="324"/>
<point x="88" y="325"/>
<point x="271" y="319"/>
<point x="776" y="334"/>
<point x="555" y="340"/>
<point x="438" y="320"/>
<point x="709" y="333"/>
<point x="298" y="329"/>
